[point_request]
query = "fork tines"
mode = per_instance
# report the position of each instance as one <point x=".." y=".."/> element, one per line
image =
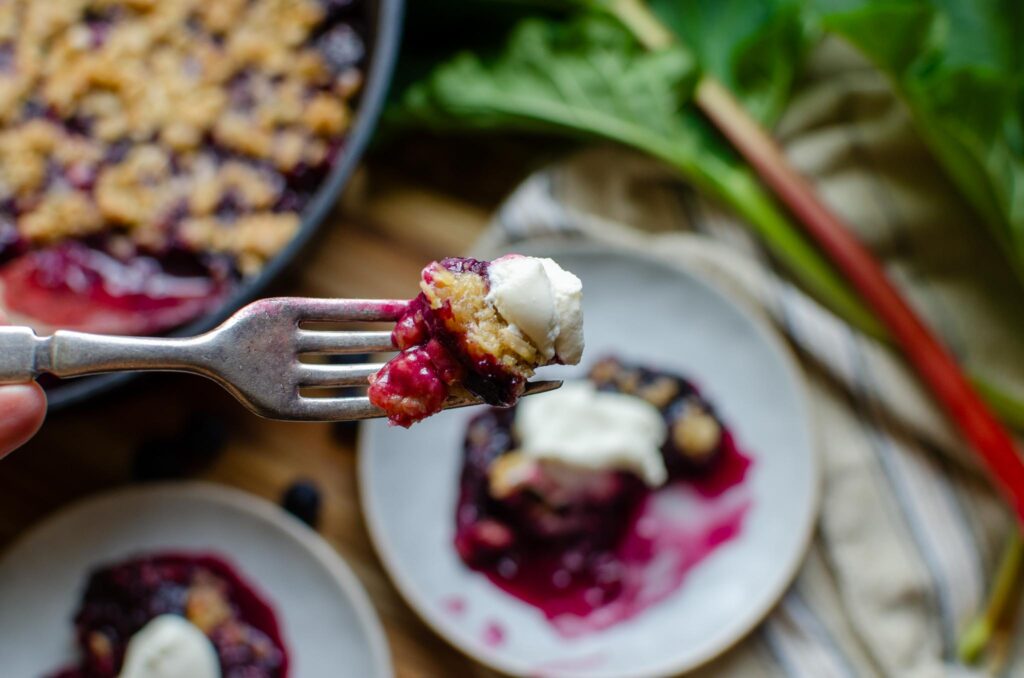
<point x="325" y="376"/>
<point x="317" y="341"/>
<point x="315" y="375"/>
<point x="343" y="310"/>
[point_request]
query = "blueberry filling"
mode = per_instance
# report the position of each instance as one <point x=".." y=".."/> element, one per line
<point x="573" y="554"/>
<point x="436" y="359"/>
<point x="121" y="599"/>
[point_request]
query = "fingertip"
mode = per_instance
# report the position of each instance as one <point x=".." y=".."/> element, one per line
<point x="22" y="410"/>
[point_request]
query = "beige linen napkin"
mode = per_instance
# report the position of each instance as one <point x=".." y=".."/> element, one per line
<point x="909" y="528"/>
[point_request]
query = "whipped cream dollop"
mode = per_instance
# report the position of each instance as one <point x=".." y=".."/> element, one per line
<point x="170" y="646"/>
<point x="579" y="426"/>
<point x="543" y="301"/>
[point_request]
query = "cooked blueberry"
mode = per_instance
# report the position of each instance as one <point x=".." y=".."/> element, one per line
<point x="7" y="59"/>
<point x="118" y="151"/>
<point x="200" y="440"/>
<point x="10" y="239"/>
<point x="290" y="202"/>
<point x="306" y="178"/>
<point x="344" y="432"/>
<point x="302" y="500"/>
<point x="464" y="264"/>
<point x="82" y="176"/>
<point x="204" y="436"/>
<point x="341" y="47"/>
<point x="159" y="459"/>
<point x="336" y="8"/>
<point x="99" y="31"/>
<point x="240" y="91"/>
<point x="230" y="207"/>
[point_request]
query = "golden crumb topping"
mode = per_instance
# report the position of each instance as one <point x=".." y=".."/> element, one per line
<point x="252" y="238"/>
<point x="150" y="116"/>
<point x="485" y="332"/>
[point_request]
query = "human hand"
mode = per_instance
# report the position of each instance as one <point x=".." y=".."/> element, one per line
<point x="22" y="408"/>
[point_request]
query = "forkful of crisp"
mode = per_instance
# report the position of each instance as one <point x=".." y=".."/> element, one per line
<point x="475" y="334"/>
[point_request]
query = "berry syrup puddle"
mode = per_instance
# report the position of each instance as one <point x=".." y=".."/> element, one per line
<point x="675" y="528"/>
<point x="74" y="286"/>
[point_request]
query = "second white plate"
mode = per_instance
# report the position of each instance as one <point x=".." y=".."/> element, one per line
<point x="327" y="621"/>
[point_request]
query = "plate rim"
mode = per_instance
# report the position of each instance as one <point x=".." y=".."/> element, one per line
<point x="555" y="247"/>
<point x="318" y="548"/>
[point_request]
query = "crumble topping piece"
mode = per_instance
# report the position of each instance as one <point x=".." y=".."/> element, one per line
<point x="484" y="332"/>
<point x="477" y="328"/>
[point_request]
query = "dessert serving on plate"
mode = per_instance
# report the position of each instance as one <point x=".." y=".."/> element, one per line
<point x="175" y="615"/>
<point x="481" y="327"/>
<point x="542" y="558"/>
<point x="154" y="153"/>
<point x="591" y="503"/>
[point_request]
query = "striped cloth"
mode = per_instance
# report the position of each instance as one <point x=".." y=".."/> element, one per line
<point x="910" y="531"/>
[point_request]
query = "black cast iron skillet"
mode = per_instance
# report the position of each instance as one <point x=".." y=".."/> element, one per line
<point x="384" y="24"/>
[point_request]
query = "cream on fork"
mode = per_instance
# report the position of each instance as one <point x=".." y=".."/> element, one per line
<point x="254" y="355"/>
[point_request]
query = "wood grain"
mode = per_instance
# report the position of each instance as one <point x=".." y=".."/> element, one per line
<point x="374" y="245"/>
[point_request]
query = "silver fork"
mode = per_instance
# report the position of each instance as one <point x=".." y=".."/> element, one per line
<point x="254" y="354"/>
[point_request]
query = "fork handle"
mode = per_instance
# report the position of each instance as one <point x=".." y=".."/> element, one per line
<point x="24" y="355"/>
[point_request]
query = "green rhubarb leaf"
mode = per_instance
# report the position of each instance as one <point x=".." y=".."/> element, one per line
<point x="959" y="64"/>
<point x="591" y="78"/>
<point x="588" y="77"/>
<point x="754" y="47"/>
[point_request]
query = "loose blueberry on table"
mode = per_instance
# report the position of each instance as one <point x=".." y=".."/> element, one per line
<point x="197" y="444"/>
<point x="303" y="500"/>
<point x="175" y="614"/>
<point x="558" y="496"/>
<point x="479" y="327"/>
<point x="153" y="154"/>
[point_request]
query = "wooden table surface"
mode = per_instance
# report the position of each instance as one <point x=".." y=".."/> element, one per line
<point x="389" y="223"/>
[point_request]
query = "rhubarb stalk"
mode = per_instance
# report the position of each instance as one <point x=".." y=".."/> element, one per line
<point x="933" y="362"/>
<point x="713" y="98"/>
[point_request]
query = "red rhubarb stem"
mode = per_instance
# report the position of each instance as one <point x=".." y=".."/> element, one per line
<point x="933" y="362"/>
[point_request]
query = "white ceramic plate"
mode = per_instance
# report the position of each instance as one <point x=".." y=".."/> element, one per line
<point x="637" y="309"/>
<point x="327" y="621"/>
